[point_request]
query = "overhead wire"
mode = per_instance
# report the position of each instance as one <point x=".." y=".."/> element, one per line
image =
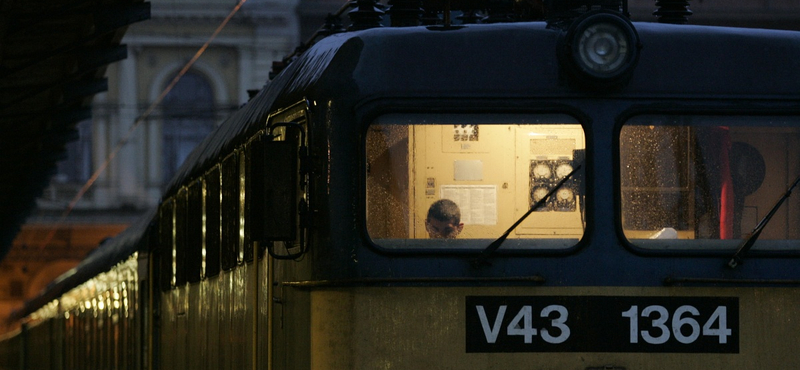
<point x="124" y="140"/>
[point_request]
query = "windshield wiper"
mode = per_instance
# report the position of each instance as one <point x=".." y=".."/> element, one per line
<point x="751" y="238"/>
<point x="482" y="260"/>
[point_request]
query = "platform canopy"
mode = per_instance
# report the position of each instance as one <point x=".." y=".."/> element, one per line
<point x="53" y="59"/>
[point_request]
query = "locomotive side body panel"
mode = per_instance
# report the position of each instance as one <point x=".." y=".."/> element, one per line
<point x="209" y="324"/>
<point x="412" y="328"/>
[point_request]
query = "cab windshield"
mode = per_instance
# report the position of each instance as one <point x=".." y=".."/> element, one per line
<point x="704" y="182"/>
<point x="460" y="181"/>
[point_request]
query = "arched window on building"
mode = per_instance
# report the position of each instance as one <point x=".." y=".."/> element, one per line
<point x="76" y="168"/>
<point x="189" y="116"/>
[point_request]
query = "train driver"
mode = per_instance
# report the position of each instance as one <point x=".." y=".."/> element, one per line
<point x="444" y="220"/>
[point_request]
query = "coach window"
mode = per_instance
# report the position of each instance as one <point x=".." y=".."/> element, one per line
<point x="166" y="220"/>
<point x="253" y="183"/>
<point x="230" y="211"/>
<point x="213" y="216"/>
<point x="704" y="182"/>
<point x="194" y="232"/>
<point x="493" y="167"/>
<point x="181" y="234"/>
<point x="242" y="251"/>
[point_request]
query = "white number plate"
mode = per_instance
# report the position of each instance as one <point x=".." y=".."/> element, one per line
<point x="602" y="324"/>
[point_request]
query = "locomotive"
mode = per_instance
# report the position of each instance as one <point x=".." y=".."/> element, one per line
<point x="622" y="192"/>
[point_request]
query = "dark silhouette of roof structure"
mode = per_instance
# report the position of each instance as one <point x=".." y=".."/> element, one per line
<point x="53" y="59"/>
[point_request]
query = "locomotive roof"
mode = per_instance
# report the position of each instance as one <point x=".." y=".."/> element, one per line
<point x="510" y="60"/>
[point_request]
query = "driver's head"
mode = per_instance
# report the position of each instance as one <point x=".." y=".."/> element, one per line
<point x="444" y="220"/>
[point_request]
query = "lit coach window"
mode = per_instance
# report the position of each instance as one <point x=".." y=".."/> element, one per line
<point x="600" y="49"/>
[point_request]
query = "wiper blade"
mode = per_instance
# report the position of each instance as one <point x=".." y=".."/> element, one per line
<point x="750" y="239"/>
<point x="482" y="260"/>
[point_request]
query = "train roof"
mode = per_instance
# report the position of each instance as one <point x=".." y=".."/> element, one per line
<point x="108" y="254"/>
<point x="510" y="60"/>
